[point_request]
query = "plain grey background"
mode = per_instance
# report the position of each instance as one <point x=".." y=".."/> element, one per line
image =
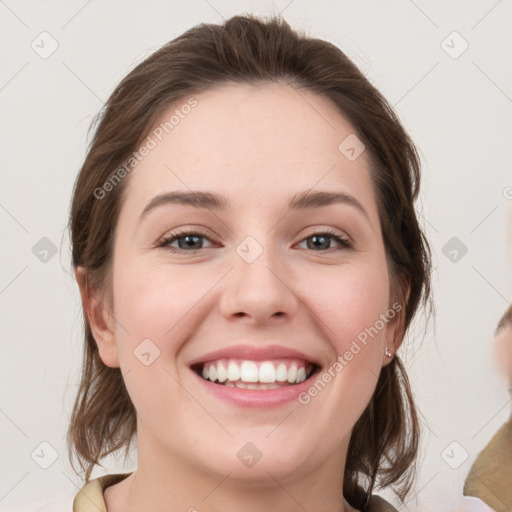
<point x="445" y="66"/>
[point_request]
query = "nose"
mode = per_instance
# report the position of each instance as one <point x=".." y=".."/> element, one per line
<point x="260" y="292"/>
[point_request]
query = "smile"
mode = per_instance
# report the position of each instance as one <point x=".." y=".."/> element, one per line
<point x="248" y="374"/>
<point x="255" y="375"/>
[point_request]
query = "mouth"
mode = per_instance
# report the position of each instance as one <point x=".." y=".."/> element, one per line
<point x="251" y="376"/>
<point x="256" y="374"/>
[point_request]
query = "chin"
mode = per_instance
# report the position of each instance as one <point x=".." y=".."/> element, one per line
<point x="255" y="462"/>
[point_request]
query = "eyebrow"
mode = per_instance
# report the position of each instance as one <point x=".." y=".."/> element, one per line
<point x="211" y="201"/>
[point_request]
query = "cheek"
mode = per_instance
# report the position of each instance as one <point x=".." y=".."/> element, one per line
<point x="160" y="303"/>
<point x="349" y="301"/>
<point x="156" y="309"/>
<point x="353" y="306"/>
<point x="349" y="306"/>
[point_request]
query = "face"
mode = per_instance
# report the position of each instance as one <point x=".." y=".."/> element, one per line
<point x="265" y="286"/>
<point x="503" y="353"/>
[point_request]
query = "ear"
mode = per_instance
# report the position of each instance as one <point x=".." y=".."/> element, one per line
<point x="395" y="328"/>
<point x="100" y="320"/>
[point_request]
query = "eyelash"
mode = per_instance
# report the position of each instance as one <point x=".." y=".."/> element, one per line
<point x="345" y="243"/>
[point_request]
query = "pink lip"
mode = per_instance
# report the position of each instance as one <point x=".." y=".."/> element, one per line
<point x="254" y="353"/>
<point x="256" y="397"/>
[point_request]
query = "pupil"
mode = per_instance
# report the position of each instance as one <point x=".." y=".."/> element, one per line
<point x="321" y="238"/>
<point x="195" y="239"/>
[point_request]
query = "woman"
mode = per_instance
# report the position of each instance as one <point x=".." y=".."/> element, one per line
<point x="490" y="476"/>
<point x="249" y="260"/>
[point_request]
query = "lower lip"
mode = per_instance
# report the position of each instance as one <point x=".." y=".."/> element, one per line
<point x="257" y="397"/>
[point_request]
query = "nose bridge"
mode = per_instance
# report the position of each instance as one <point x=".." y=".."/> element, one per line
<point x="258" y="285"/>
<point x="257" y="262"/>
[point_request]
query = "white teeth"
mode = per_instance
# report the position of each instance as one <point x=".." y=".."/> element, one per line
<point x="267" y="372"/>
<point x="233" y="371"/>
<point x="281" y="373"/>
<point x="292" y="373"/>
<point x="248" y="373"/>
<point x="222" y="373"/>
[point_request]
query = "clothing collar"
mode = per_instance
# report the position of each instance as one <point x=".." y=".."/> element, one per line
<point x="90" y="497"/>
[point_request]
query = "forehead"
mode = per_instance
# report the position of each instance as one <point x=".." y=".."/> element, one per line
<point x="251" y="141"/>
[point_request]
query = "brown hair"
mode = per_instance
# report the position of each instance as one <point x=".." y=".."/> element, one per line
<point x="249" y="50"/>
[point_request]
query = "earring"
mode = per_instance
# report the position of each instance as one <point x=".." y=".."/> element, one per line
<point x="387" y="352"/>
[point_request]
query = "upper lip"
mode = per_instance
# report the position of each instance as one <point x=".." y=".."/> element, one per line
<point x="255" y="353"/>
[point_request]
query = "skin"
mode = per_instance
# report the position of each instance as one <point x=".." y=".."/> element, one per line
<point x="258" y="146"/>
<point x="502" y="353"/>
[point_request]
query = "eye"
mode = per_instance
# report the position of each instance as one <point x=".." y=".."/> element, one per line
<point x="188" y="241"/>
<point x="322" y="240"/>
